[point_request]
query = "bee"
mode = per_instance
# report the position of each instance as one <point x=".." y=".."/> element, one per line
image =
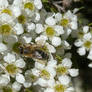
<point x="34" y="51"/>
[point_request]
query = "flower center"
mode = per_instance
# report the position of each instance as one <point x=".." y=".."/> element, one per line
<point x="50" y="31"/>
<point x="87" y="44"/>
<point x="61" y="70"/>
<point x="45" y="74"/>
<point x="64" y="22"/>
<point x="59" y="88"/>
<point x="21" y="19"/>
<point x="11" y="68"/>
<point x="29" y="6"/>
<point x="7" y="11"/>
<point x="5" y="29"/>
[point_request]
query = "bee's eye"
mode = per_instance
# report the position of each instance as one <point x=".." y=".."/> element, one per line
<point x="21" y="50"/>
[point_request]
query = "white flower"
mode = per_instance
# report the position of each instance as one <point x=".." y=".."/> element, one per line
<point x="20" y="78"/>
<point x="3" y="47"/>
<point x="56" y="41"/>
<point x="12" y="66"/>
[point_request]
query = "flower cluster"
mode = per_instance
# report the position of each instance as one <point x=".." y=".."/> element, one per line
<point x="26" y="22"/>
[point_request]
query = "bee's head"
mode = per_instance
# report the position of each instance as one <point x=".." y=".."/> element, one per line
<point x="20" y="49"/>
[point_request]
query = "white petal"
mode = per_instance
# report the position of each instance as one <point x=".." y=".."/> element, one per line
<point x="4" y="80"/>
<point x="74" y="25"/>
<point x="38" y="4"/>
<point x="31" y="27"/>
<point x="3" y="47"/>
<point x="78" y="43"/>
<point x="51" y="82"/>
<point x="39" y="65"/>
<point x="59" y="30"/>
<point x="20" y="78"/>
<point x="90" y="65"/>
<point x="41" y="82"/>
<point x="20" y="63"/>
<point x="52" y="71"/>
<point x="50" y="21"/>
<point x="36" y="72"/>
<point x="81" y="51"/>
<point x="18" y="29"/>
<point x="27" y="39"/>
<point x="27" y="84"/>
<point x="37" y="18"/>
<point x="6" y="18"/>
<point x="49" y="90"/>
<point x="85" y="29"/>
<point x="87" y="36"/>
<point x="16" y="86"/>
<point x="41" y="40"/>
<point x="52" y="63"/>
<point x="69" y="31"/>
<point x="17" y="2"/>
<point x="66" y="62"/>
<point x="58" y="16"/>
<point x="16" y="11"/>
<point x="3" y="3"/>
<point x="39" y="28"/>
<point x="90" y="55"/>
<point x="64" y="79"/>
<point x="73" y="72"/>
<point x="51" y="48"/>
<point x="56" y="41"/>
<point x="9" y="58"/>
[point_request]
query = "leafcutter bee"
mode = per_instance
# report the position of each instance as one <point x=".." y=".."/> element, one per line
<point x="34" y="51"/>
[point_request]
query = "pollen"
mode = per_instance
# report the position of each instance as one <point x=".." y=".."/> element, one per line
<point x="87" y="44"/>
<point x="29" y="6"/>
<point x="11" y="69"/>
<point x="61" y="70"/>
<point x="50" y="31"/>
<point x="59" y="88"/>
<point x="7" y="11"/>
<point x="21" y="19"/>
<point x="45" y="74"/>
<point x="5" y="29"/>
<point x="64" y="22"/>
